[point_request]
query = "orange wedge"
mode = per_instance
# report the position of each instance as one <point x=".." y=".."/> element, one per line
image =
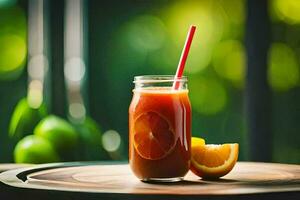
<point x="213" y="161"/>
<point x="196" y="141"/>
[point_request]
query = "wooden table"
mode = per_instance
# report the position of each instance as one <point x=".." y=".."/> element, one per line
<point x="106" y="181"/>
<point x="9" y="166"/>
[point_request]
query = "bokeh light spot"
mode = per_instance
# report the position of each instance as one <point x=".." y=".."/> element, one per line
<point x="12" y="54"/>
<point x="134" y="41"/>
<point x="210" y="19"/>
<point x="235" y="11"/>
<point x="209" y="95"/>
<point x="13" y="48"/>
<point x="283" y="71"/>
<point x="287" y="10"/>
<point x="146" y="32"/>
<point x="111" y="140"/>
<point x="37" y="66"/>
<point x="35" y="94"/>
<point x="229" y="61"/>
<point x="165" y="59"/>
<point x="77" y="111"/>
<point x="74" y="70"/>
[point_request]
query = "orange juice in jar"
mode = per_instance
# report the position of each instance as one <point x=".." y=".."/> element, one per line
<point x="159" y="129"/>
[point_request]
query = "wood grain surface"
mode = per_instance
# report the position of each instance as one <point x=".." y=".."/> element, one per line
<point x="9" y="166"/>
<point x="246" y="178"/>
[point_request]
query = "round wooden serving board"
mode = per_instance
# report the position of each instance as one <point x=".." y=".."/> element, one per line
<point x="246" y="179"/>
<point x="9" y="166"/>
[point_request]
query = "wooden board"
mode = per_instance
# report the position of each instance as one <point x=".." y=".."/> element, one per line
<point x="9" y="166"/>
<point x="246" y="178"/>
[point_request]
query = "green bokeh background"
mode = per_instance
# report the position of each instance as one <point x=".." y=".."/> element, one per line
<point x="129" y="38"/>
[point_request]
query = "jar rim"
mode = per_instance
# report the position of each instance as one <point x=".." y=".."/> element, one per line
<point x="158" y="79"/>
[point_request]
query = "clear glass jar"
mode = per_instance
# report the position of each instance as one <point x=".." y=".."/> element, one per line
<point x="159" y="128"/>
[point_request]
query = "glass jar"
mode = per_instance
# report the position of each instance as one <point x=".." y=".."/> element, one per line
<point x="160" y="128"/>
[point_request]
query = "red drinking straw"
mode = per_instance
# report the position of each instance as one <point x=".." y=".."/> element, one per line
<point x="184" y="56"/>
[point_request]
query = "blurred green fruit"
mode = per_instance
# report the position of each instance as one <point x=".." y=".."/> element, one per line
<point x="90" y="132"/>
<point x="91" y="147"/>
<point x="36" y="150"/>
<point x="24" y="119"/>
<point x="58" y="132"/>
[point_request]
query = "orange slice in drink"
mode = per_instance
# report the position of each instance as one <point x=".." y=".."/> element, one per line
<point x="213" y="161"/>
<point x="153" y="136"/>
